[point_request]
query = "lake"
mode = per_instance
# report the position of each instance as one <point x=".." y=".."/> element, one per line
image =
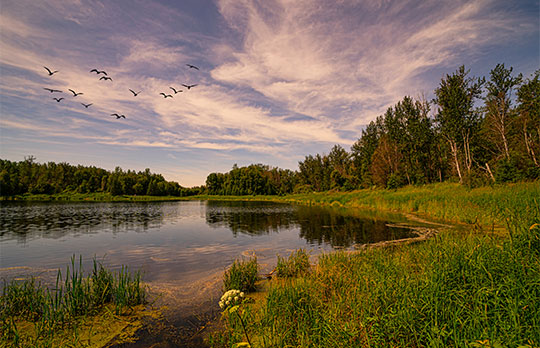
<point x="181" y="247"/>
<point x="175" y="241"/>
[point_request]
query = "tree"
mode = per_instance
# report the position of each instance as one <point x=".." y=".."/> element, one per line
<point x="529" y="114"/>
<point x="457" y="118"/>
<point x="499" y="112"/>
<point x="362" y="152"/>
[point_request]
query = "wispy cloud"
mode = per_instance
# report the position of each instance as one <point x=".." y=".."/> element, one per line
<point x="277" y="77"/>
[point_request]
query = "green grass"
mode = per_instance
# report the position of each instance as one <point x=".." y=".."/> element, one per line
<point x="463" y="288"/>
<point x="296" y="265"/>
<point x="51" y="310"/>
<point x="242" y="275"/>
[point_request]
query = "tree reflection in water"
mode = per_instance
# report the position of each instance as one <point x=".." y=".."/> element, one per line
<point x="317" y="225"/>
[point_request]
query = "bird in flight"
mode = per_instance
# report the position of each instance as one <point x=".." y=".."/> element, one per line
<point x="166" y="95"/>
<point x="175" y="90"/>
<point x="118" y="116"/>
<point x="74" y="93"/>
<point x="51" y="72"/>
<point x="134" y="93"/>
<point x="105" y="78"/>
<point x="99" y="71"/>
<point x="52" y="90"/>
<point x="86" y="105"/>
<point x="189" y="86"/>
<point x="192" y="66"/>
<point x="58" y="99"/>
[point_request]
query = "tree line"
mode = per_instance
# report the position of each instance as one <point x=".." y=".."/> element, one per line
<point x="28" y="176"/>
<point x="475" y="131"/>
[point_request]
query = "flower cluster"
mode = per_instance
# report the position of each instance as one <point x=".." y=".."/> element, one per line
<point x="231" y="298"/>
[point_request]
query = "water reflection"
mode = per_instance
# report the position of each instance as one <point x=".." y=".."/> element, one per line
<point x="25" y="221"/>
<point x="317" y="225"/>
<point x="320" y="225"/>
<point x="252" y="218"/>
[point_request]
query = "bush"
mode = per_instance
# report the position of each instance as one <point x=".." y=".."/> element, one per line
<point x="242" y="275"/>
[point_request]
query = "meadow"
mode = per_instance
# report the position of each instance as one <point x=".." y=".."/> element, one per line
<point x="466" y="287"/>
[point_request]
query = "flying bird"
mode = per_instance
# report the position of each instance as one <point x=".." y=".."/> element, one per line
<point x="74" y="93"/>
<point x="86" y="105"/>
<point x="166" y="95"/>
<point x="52" y="90"/>
<point x="51" y="72"/>
<point x="134" y="93"/>
<point x="192" y="66"/>
<point x="105" y="78"/>
<point x="189" y="86"/>
<point x="99" y="71"/>
<point x="175" y="91"/>
<point x="58" y="99"/>
<point x="118" y="116"/>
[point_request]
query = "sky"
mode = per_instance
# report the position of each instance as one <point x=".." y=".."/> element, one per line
<point x="277" y="79"/>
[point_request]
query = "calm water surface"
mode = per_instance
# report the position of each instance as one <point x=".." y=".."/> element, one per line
<point x="174" y="241"/>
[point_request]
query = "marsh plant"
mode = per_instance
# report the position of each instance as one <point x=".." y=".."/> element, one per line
<point x="241" y="275"/>
<point x="296" y="265"/>
<point x="55" y="308"/>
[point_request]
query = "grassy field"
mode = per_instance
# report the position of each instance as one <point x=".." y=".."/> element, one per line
<point x="467" y="288"/>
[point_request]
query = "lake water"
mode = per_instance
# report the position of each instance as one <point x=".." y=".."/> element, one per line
<point x="174" y="242"/>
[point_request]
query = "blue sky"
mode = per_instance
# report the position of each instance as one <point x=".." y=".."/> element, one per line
<point x="278" y="80"/>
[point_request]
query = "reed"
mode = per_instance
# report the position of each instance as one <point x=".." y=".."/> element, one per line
<point x="242" y="275"/>
<point x="32" y="313"/>
<point x="296" y="265"/>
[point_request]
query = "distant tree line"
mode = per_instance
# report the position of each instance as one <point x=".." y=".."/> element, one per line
<point x="474" y="131"/>
<point x="256" y="179"/>
<point x="28" y="176"/>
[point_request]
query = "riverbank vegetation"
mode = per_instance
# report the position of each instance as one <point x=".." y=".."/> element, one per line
<point x="75" y="311"/>
<point x="463" y="288"/>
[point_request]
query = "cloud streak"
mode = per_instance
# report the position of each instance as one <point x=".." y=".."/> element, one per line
<point x="277" y="77"/>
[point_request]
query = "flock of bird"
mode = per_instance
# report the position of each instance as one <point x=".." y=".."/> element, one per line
<point x="106" y="77"/>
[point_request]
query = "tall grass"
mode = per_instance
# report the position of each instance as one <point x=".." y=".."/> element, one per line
<point x="296" y="265"/>
<point x="455" y="290"/>
<point x="445" y="201"/>
<point x="52" y="309"/>
<point x="242" y="275"/>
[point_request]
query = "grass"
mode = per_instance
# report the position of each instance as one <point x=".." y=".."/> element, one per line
<point x="296" y="265"/>
<point x="463" y="288"/>
<point x="242" y="275"/>
<point x="32" y="314"/>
